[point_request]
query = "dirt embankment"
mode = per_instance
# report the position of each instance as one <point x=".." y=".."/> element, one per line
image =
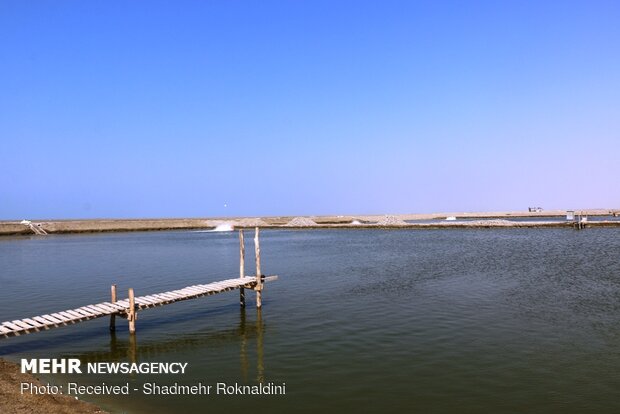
<point x="119" y="225"/>
<point x="13" y="402"/>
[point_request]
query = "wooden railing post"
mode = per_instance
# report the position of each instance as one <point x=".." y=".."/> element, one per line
<point x="113" y="316"/>
<point x="259" y="281"/>
<point x="241" y="267"/>
<point x="131" y="317"/>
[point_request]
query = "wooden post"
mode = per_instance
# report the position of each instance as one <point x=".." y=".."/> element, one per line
<point x="259" y="282"/>
<point x="241" y="267"/>
<point x="131" y="317"/>
<point x="113" y="316"/>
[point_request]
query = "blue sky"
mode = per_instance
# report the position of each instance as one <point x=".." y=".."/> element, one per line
<point x="205" y="108"/>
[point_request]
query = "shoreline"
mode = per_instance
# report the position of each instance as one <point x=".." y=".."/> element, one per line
<point x="12" y="401"/>
<point x="474" y="220"/>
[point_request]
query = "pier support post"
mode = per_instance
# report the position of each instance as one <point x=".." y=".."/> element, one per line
<point x="259" y="281"/>
<point x="131" y="316"/>
<point x="113" y="316"/>
<point x="241" y="267"/>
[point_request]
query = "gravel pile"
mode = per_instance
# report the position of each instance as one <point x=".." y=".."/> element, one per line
<point x="301" y="222"/>
<point x="494" y="222"/>
<point x="391" y="221"/>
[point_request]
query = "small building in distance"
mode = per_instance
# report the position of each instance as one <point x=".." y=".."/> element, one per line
<point x="534" y="209"/>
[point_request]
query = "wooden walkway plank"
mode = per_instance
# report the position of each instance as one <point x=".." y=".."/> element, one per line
<point x="167" y="296"/>
<point x="147" y="299"/>
<point x="50" y="319"/>
<point x="158" y="298"/>
<point x="12" y="326"/>
<point x="105" y="308"/>
<point x="96" y="310"/>
<point x="114" y="306"/>
<point x="73" y="314"/>
<point x="193" y="292"/>
<point x="34" y="323"/>
<point x="121" y="307"/>
<point x="44" y="321"/>
<point x="23" y="325"/>
<point x="62" y="315"/>
<point x="85" y="312"/>
<point x="140" y="301"/>
<point x="100" y="309"/>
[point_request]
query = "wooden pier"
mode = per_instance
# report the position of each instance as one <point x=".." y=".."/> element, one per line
<point x="580" y="221"/>
<point x="128" y="308"/>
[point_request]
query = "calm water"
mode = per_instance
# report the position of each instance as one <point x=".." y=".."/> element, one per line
<point x="430" y="321"/>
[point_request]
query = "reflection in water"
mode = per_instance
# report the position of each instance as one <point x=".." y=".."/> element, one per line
<point x="243" y="334"/>
<point x="117" y="350"/>
<point x="132" y="352"/>
<point x="244" y="344"/>
<point x="126" y="348"/>
<point x="260" y="366"/>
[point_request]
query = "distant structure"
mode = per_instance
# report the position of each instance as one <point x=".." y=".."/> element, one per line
<point x="535" y="209"/>
<point x="570" y="215"/>
<point x="37" y="228"/>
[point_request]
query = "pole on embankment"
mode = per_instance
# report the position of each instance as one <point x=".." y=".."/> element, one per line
<point x="131" y="316"/>
<point x="241" y="267"/>
<point x="113" y="316"/>
<point x="259" y="284"/>
<point x="579" y="222"/>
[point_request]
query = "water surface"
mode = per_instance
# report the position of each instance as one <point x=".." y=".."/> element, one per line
<point x="452" y="320"/>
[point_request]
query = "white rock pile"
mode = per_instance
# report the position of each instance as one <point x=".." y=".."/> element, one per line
<point x="391" y="221"/>
<point x="301" y="222"/>
<point x="492" y="222"/>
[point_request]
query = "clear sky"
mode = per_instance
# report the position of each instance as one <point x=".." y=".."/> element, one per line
<point x="209" y="108"/>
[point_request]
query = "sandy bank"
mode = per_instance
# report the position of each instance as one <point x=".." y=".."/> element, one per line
<point x="480" y="219"/>
<point x="13" y="402"/>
